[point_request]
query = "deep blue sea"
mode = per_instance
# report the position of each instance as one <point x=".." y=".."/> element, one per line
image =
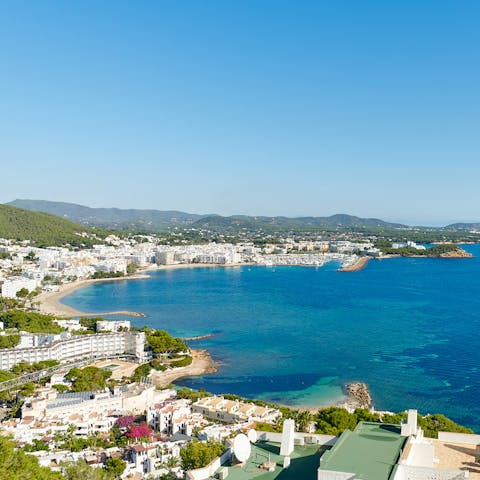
<point x="408" y="327"/>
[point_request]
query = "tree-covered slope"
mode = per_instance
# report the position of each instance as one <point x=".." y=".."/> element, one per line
<point x="339" y="221"/>
<point x="117" y="218"/>
<point x="159" y="220"/>
<point x="42" y="229"/>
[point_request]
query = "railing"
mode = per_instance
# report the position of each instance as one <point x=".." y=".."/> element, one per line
<point x="48" y="372"/>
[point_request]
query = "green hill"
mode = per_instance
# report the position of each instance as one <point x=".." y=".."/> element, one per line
<point x="161" y="220"/>
<point x="43" y="229"/>
<point x="115" y="218"/>
<point x="335" y="222"/>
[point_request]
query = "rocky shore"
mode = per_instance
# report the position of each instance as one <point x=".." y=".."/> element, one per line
<point x="358" y="396"/>
<point x="458" y="253"/>
<point x="202" y="364"/>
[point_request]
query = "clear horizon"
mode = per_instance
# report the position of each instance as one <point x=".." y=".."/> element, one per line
<point x="257" y="108"/>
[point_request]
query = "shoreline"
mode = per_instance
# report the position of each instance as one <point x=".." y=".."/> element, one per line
<point x="50" y="302"/>
<point x="202" y="364"/>
<point x="360" y="264"/>
<point x="357" y="395"/>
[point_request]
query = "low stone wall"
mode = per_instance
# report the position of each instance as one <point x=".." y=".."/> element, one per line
<point x="208" y="471"/>
<point x="467" y="438"/>
<point x="299" y="437"/>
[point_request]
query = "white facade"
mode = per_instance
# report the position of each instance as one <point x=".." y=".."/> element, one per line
<point x="70" y="324"/>
<point x="77" y="347"/>
<point x="11" y="286"/>
<point x="232" y="411"/>
<point x="166" y="257"/>
<point x="112" y="325"/>
<point x="111" y="266"/>
<point x="174" y="417"/>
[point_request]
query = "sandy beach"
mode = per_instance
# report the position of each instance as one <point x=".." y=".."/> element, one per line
<point x="49" y="302"/>
<point x="202" y="364"/>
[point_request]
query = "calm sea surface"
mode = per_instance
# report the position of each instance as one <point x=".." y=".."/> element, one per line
<point x="409" y="328"/>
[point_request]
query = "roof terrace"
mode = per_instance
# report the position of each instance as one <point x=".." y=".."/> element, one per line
<point x="370" y="451"/>
<point x="303" y="465"/>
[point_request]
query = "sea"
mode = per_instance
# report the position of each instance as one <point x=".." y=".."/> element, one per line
<point x="407" y="327"/>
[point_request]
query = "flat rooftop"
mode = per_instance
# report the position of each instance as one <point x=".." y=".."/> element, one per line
<point x="303" y="465"/>
<point x="370" y="451"/>
<point x="457" y="456"/>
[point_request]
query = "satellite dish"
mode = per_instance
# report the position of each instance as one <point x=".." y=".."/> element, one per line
<point x="252" y="435"/>
<point x="241" y="447"/>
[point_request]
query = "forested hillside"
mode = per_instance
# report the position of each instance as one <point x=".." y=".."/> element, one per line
<point x="43" y="229"/>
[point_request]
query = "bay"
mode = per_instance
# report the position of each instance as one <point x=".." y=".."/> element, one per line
<point x="408" y="327"/>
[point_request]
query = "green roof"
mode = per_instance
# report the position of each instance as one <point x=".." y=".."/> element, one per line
<point x="370" y="451"/>
<point x="304" y="463"/>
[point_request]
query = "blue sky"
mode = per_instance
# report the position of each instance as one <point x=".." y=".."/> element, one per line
<point x="254" y="106"/>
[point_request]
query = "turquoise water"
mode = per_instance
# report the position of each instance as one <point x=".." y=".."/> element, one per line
<point x="407" y="327"/>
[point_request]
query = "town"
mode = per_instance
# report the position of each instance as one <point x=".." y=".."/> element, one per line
<point x="94" y="393"/>
<point x="26" y="271"/>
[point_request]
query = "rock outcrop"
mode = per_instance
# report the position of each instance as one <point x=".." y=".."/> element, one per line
<point x="358" y="395"/>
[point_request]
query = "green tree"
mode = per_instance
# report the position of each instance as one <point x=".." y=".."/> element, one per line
<point x="334" y="420"/>
<point x="35" y="446"/>
<point x="90" y="323"/>
<point x="81" y="471"/>
<point x="16" y="465"/>
<point x="303" y="419"/>
<point x="88" y="379"/>
<point x="30" y="321"/>
<point x="28" y="389"/>
<point x="161" y="342"/>
<point x="115" y="466"/>
<point x="198" y="454"/>
<point x="141" y="372"/>
<point x="60" y="388"/>
<point x="432" y="424"/>
<point x="22" y="293"/>
<point x="364" y="415"/>
<point x="9" y="341"/>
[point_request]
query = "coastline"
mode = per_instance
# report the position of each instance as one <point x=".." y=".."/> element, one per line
<point x="360" y="264"/>
<point x="50" y="301"/>
<point x="357" y="395"/>
<point x="50" y="304"/>
<point x="202" y="364"/>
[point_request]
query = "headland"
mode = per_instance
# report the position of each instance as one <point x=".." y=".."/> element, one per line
<point x="202" y="364"/>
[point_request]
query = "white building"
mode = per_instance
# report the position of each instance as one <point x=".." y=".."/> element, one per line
<point x="174" y="417"/>
<point x="166" y="257"/>
<point x="77" y="347"/>
<point x="113" y="325"/>
<point x="11" y="286"/>
<point x="70" y="324"/>
<point x="111" y="266"/>
<point x="232" y="411"/>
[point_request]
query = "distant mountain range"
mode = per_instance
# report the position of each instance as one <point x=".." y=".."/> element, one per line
<point x="463" y="226"/>
<point x="339" y="221"/>
<point x="159" y="220"/>
<point x="115" y="218"/>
